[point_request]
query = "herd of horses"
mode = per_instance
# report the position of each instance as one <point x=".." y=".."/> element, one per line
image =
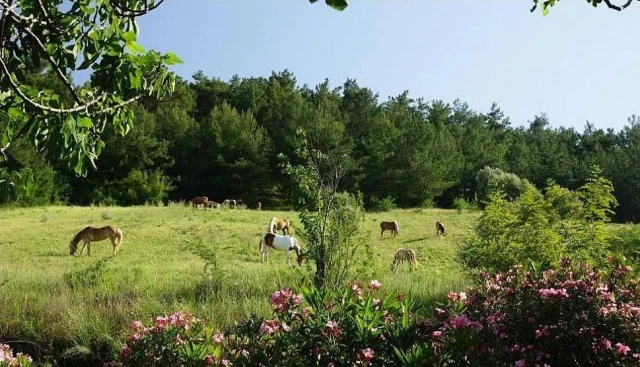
<point x="204" y="203"/>
<point x="269" y="241"/>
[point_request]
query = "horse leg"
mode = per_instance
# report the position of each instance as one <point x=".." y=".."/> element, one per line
<point x="89" y="249"/>
<point x="84" y="245"/>
<point x="115" y="246"/>
<point x="287" y="256"/>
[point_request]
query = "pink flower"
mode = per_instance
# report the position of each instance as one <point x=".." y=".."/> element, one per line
<point x="125" y="353"/>
<point x="376" y="302"/>
<point x="209" y="360"/>
<point x="218" y="337"/>
<point x="136" y="326"/>
<point x="357" y="290"/>
<point x="375" y="285"/>
<point x="437" y="334"/>
<point x="622" y="349"/>
<point x="226" y="362"/>
<point x="605" y="344"/>
<point x="521" y="363"/>
<point x="460" y="321"/>
<point x="332" y="329"/>
<point x="270" y="326"/>
<point x="366" y="355"/>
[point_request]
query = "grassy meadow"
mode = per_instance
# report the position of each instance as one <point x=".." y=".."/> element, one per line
<point x="47" y="296"/>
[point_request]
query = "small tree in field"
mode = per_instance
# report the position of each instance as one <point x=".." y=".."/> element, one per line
<point x="331" y="219"/>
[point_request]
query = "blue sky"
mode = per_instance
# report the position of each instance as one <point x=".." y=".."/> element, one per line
<point x="576" y="64"/>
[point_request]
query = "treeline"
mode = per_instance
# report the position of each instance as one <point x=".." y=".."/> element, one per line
<point x="222" y="139"/>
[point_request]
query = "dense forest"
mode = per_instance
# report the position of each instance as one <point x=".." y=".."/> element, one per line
<point x="223" y="139"/>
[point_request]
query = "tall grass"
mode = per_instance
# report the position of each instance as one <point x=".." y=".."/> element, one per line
<point x="205" y="262"/>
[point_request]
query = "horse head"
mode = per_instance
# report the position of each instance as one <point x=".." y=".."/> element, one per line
<point x="72" y="248"/>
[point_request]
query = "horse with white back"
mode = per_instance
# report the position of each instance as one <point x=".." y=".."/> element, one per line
<point x="273" y="241"/>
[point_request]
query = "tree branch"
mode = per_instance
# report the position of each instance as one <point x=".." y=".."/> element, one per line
<point x="616" y="7"/>
<point x="54" y="66"/>
<point x="132" y="13"/>
<point x="84" y="107"/>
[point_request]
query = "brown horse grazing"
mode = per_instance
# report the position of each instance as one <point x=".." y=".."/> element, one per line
<point x="279" y="224"/>
<point x="90" y="234"/>
<point x="259" y="206"/>
<point x="200" y="200"/>
<point x="389" y="226"/>
<point x="439" y="229"/>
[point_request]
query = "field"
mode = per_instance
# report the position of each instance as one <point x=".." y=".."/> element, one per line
<point x="47" y="296"/>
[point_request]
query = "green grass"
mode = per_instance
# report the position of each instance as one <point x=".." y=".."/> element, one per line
<point x="55" y="300"/>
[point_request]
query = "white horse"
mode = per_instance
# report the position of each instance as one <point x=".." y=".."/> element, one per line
<point x="280" y="243"/>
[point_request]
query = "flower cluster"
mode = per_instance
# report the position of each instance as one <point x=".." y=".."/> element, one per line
<point x="574" y="314"/>
<point x="8" y="359"/>
<point x="285" y="300"/>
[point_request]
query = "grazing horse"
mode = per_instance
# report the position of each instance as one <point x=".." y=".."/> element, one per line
<point x="231" y="203"/>
<point x="389" y="226"/>
<point x="439" y="229"/>
<point x="90" y="234"/>
<point x="259" y="206"/>
<point x="404" y="254"/>
<point x="279" y="224"/>
<point x="213" y="205"/>
<point x="200" y="200"/>
<point x="280" y="243"/>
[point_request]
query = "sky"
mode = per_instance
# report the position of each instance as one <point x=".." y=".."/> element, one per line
<point x="577" y="64"/>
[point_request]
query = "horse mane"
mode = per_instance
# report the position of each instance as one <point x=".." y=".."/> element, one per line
<point x="78" y="236"/>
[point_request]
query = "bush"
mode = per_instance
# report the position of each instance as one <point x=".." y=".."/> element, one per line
<point x="461" y="204"/>
<point x="576" y="316"/>
<point x="543" y="228"/>
<point x="491" y="180"/>
<point x="384" y="205"/>
<point x="525" y="317"/>
<point x="358" y="326"/>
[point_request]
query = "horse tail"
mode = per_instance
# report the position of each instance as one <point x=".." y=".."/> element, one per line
<point x="396" y="228"/>
<point x="119" y="237"/>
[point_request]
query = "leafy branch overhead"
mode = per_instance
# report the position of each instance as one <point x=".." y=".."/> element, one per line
<point x="99" y="35"/>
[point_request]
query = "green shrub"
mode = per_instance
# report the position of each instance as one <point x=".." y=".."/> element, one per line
<point x="543" y="228"/>
<point x="491" y="180"/>
<point x="460" y="204"/>
<point x="384" y="205"/>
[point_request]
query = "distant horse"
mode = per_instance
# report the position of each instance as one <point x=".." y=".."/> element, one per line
<point x="259" y="206"/>
<point x="279" y="224"/>
<point x="90" y="234"/>
<point x="402" y="255"/>
<point x="389" y="226"/>
<point x="439" y="229"/>
<point x="272" y="241"/>
<point x="200" y="200"/>
<point x="230" y="203"/>
<point x="213" y="205"/>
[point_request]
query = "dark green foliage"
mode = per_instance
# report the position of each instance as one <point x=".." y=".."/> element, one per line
<point x="222" y="139"/>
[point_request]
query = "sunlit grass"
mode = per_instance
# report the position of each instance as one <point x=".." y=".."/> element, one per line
<point x="48" y="296"/>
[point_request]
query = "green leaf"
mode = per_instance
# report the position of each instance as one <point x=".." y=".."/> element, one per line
<point x="338" y="4"/>
<point x="84" y="122"/>
<point x="171" y="59"/>
<point x="135" y="47"/>
<point x="129" y="36"/>
<point x="14" y="113"/>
